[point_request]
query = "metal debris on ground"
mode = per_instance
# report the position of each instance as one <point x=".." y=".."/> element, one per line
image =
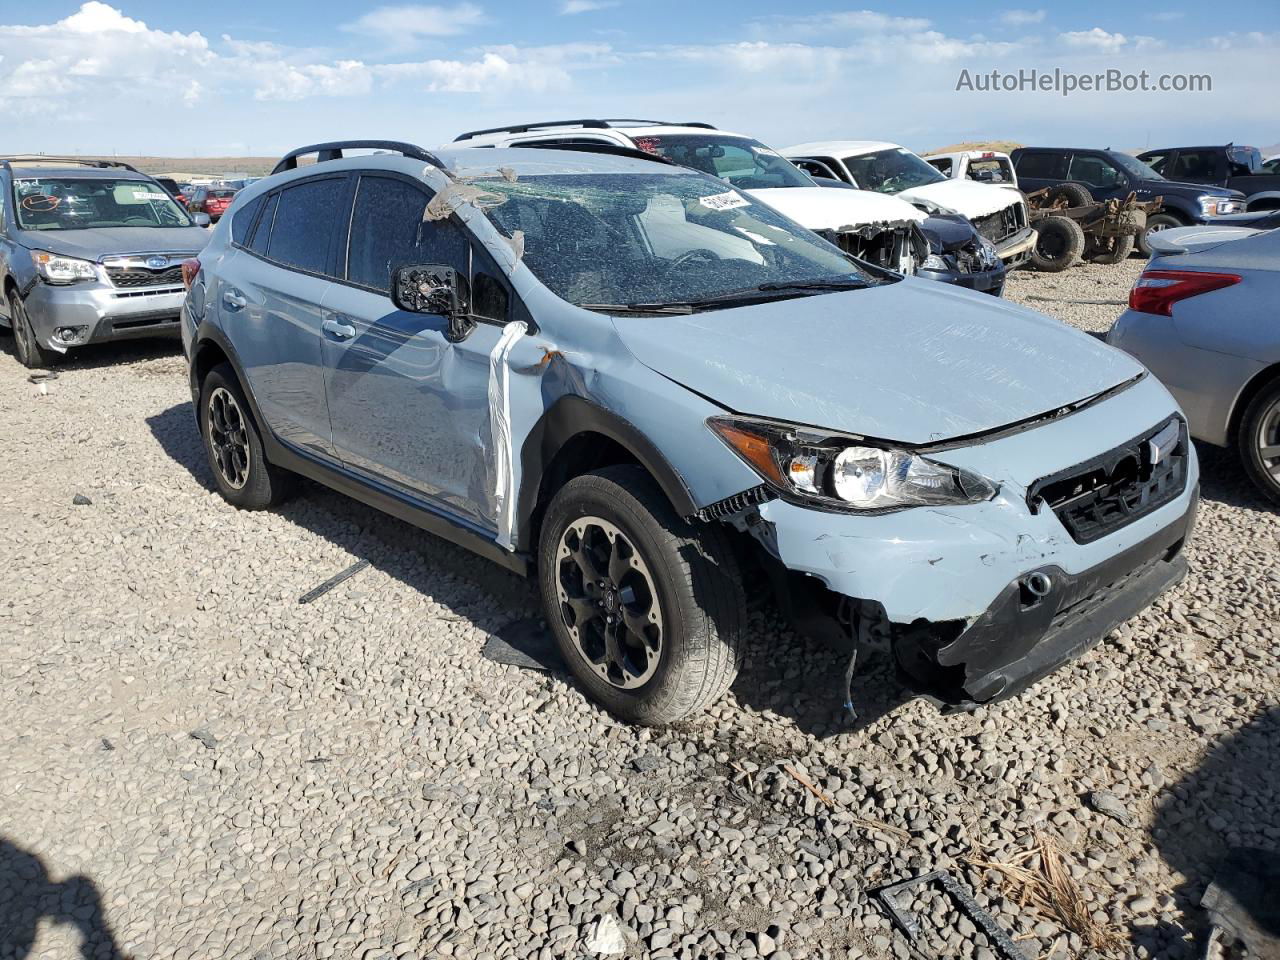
<point x="523" y="643"/>
<point x="909" y="923"/>
<point x="333" y="581"/>
<point x="1088" y="303"/>
<point x="1243" y="903"/>
<point x="1039" y="878"/>
<point x="40" y="376"/>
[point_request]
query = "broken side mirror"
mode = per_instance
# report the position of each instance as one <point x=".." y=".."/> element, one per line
<point x="435" y="289"/>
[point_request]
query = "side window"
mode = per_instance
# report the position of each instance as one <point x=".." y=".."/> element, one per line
<point x="306" y="217"/>
<point x="942" y="164"/>
<point x="1041" y="166"/>
<point x="1093" y="171"/>
<point x="242" y="220"/>
<point x="387" y="231"/>
<point x="1155" y="161"/>
<point x="1194" y="165"/>
<point x="263" y="233"/>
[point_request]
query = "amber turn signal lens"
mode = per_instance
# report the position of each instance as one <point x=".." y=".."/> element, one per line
<point x="751" y="447"/>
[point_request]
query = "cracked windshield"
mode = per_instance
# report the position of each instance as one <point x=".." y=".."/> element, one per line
<point x="619" y="239"/>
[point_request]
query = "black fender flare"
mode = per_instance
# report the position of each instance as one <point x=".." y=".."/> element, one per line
<point x="567" y="418"/>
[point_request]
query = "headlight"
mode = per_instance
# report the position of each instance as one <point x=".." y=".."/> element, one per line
<point x="1220" y="206"/>
<point x="934" y="262"/>
<point x="57" y="269"/>
<point x="846" y="473"/>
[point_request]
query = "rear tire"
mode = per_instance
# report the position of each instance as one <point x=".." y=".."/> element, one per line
<point x="234" y="445"/>
<point x="1121" y="247"/>
<point x="1258" y="442"/>
<point x="25" y="345"/>
<point x="612" y="547"/>
<point x="1155" y="223"/>
<point x="1059" y="243"/>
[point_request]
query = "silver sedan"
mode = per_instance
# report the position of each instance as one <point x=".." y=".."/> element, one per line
<point x="1205" y="318"/>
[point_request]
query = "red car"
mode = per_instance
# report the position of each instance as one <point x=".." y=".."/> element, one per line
<point x="211" y="200"/>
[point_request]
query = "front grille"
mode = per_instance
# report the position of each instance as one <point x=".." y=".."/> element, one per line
<point x="144" y="277"/>
<point x="1108" y="492"/>
<point x="1001" y="224"/>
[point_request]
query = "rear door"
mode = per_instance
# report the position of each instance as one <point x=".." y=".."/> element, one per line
<point x="270" y="300"/>
<point x="409" y="407"/>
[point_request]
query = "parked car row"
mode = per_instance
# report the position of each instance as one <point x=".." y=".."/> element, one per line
<point x="602" y="354"/>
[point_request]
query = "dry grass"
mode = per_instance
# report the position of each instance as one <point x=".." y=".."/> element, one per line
<point x="1039" y="878"/>
<point x="1002" y="146"/>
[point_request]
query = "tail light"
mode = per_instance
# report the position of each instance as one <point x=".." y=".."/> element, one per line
<point x="1158" y="290"/>
<point x="190" y="269"/>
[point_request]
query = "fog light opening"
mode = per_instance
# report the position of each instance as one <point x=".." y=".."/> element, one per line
<point x="69" y="334"/>
<point x="1035" y="587"/>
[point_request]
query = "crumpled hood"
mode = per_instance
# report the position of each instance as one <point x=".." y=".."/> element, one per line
<point x="912" y="361"/>
<point x="828" y="208"/>
<point x="109" y="241"/>
<point x="964" y="196"/>
<point x="948" y="233"/>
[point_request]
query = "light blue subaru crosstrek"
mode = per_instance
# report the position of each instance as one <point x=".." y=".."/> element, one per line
<point x="656" y="394"/>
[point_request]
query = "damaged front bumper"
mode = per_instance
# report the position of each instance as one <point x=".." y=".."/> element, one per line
<point x="1015" y="250"/>
<point x="977" y="602"/>
<point x="83" y="313"/>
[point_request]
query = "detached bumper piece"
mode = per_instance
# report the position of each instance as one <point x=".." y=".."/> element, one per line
<point x="1039" y="622"/>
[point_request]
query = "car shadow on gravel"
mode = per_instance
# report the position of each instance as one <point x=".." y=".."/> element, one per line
<point x="802" y="680"/>
<point x="28" y="897"/>
<point x="1232" y="799"/>
<point x="490" y="595"/>
<point x="1223" y="480"/>
<point x="99" y="355"/>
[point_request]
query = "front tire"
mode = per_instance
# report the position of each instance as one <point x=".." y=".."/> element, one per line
<point x="647" y="608"/>
<point x="1259" y="441"/>
<point x="25" y="345"/>
<point x="1155" y="223"/>
<point x="234" y="445"/>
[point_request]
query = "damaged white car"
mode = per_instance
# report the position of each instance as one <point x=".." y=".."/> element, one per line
<point x="999" y="214"/>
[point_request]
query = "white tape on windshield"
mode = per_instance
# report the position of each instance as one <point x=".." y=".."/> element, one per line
<point x="500" y="423"/>
<point x="148" y="195"/>
<point x="725" y="201"/>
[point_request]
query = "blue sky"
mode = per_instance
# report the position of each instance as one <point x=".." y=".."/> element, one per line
<point x="160" y="78"/>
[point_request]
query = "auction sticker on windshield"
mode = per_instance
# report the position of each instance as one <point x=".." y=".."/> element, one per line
<point x="725" y="201"/>
<point x="148" y="195"/>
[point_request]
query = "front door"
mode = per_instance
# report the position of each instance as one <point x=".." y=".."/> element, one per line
<point x="409" y="407"/>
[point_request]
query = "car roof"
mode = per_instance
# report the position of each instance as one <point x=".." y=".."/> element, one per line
<point x="561" y="131"/>
<point x="534" y="161"/>
<point x="75" y="173"/>
<point x="853" y="147"/>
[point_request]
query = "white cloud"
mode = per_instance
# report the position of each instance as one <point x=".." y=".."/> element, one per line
<point x="404" y="26"/>
<point x="1095" y="39"/>
<point x="1022" y="18"/>
<point x="570" y="7"/>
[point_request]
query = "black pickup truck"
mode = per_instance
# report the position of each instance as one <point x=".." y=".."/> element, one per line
<point x="1235" y="167"/>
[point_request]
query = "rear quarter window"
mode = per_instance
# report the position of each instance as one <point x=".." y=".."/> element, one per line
<point x="1041" y="166"/>
<point x="242" y="220"/>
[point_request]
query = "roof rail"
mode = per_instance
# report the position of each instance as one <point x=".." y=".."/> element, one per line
<point x="585" y="124"/>
<point x="612" y="149"/>
<point x="333" y="151"/>
<point x="38" y="159"/>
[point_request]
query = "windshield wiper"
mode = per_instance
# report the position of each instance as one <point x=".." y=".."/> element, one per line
<point x="677" y="307"/>
<point x="816" y="285"/>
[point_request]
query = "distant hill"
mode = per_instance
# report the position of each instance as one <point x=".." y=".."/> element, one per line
<point x="1000" y="146"/>
<point x="179" y="167"/>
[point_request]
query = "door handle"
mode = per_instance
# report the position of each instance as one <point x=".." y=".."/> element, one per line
<point x="232" y="300"/>
<point x="339" y="331"/>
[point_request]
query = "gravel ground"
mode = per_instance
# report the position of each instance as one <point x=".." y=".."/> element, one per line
<point x="195" y="765"/>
